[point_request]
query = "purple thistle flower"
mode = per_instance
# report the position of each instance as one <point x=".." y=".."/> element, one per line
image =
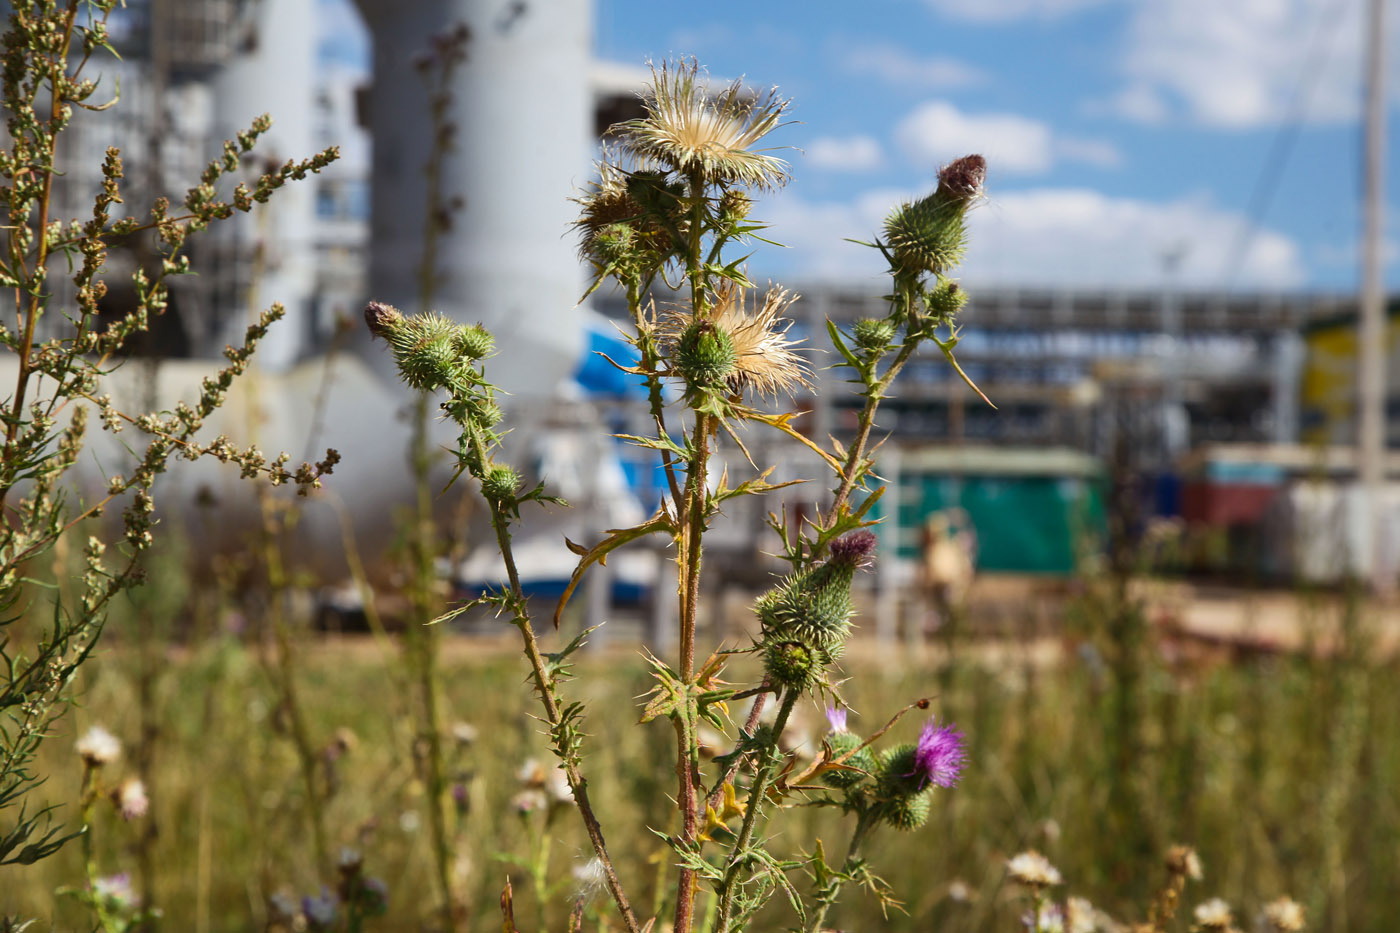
<point x="940" y="754"/>
<point x="854" y="549"/>
<point x="836" y="716"/>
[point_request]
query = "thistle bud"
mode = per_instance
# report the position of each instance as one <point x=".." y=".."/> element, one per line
<point x="873" y="334"/>
<point x="486" y="413"/>
<point x="612" y="245"/>
<point x="734" y="206"/>
<point x="944" y="301"/>
<point x="473" y="342"/>
<point x="926" y="236"/>
<point x="793" y="665"/>
<point x="381" y="318"/>
<point x="705" y="355"/>
<point x="813" y="607"/>
<point x="430" y="363"/>
<point x="500" y="484"/>
<point x="929" y="235"/>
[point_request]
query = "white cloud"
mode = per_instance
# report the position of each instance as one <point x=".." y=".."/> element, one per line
<point x="1238" y="64"/>
<point x="844" y="154"/>
<point x="897" y="67"/>
<point x="1002" y="11"/>
<point x="936" y="131"/>
<point x="1089" y="151"/>
<point x="1069" y="236"/>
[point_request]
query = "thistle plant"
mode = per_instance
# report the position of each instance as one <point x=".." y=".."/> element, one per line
<point x="673" y="197"/>
<point x="65" y="355"/>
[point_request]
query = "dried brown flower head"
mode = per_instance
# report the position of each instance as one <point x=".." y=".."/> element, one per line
<point x="688" y="129"/>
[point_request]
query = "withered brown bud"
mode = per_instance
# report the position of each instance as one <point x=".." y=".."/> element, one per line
<point x="382" y="318"/>
<point x="963" y="178"/>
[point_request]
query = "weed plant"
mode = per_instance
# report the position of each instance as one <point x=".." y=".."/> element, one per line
<point x="61" y="370"/>
<point x="671" y="202"/>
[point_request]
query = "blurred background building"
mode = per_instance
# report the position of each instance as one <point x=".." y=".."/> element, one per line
<point x="1229" y="411"/>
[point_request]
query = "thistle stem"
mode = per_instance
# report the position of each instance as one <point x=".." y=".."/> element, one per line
<point x="735" y="861"/>
<point x="548" y="697"/>
<point x="829" y="895"/>
<point x="692" y="529"/>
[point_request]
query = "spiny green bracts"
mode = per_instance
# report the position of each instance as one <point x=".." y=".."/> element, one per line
<point x="944" y="301"/>
<point x="902" y="797"/>
<point x="814" y="606"/>
<point x="898" y="775"/>
<point x="841" y="743"/>
<point x="792" y="665"/>
<point x="734" y="206"/>
<point x="423" y="346"/>
<point x="473" y="342"/>
<point x="501" y="484"/>
<point x="926" y="236"/>
<point x="612" y="246"/>
<point x="704" y="355"/>
<point x="873" y="334"/>
<point x="929" y="235"/>
<point x="906" y="813"/>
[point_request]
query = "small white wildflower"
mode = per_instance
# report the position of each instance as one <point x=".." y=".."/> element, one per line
<point x="1079" y="916"/>
<point x="409" y="821"/>
<point x="1284" y="915"/>
<point x="115" y="888"/>
<point x="464" y="733"/>
<point x="528" y="801"/>
<point x="349" y="860"/>
<point x="1214" y="914"/>
<point x="1033" y="870"/>
<point x="98" y="747"/>
<point x="131" y="800"/>
<point x="959" y="891"/>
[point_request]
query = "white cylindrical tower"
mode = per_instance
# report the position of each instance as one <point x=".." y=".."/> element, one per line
<point x="274" y="72"/>
<point x="523" y="111"/>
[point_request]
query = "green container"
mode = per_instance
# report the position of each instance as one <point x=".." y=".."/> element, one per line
<point x="1033" y="509"/>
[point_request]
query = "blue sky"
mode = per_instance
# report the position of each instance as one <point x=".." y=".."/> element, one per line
<point x="1115" y="130"/>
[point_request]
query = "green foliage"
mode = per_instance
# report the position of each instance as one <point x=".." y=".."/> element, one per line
<point x="62" y="377"/>
<point x="668" y="206"/>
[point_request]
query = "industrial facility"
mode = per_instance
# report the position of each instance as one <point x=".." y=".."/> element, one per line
<point x="1086" y="382"/>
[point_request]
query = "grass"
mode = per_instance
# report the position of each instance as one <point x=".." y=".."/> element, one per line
<point x="1280" y="769"/>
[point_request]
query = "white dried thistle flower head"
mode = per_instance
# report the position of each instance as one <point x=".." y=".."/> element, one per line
<point x="689" y="129"/>
<point x="98" y="747"/>
<point x="1284" y="915"/>
<point x="765" y="360"/>
<point x="1214" y="914"/>
<point x="1183" y="860"/>
<point x="1032" y="870"/>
